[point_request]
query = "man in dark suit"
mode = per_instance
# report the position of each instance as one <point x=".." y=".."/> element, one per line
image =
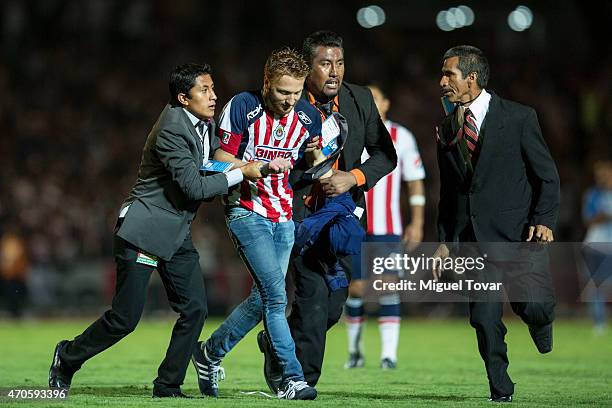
<point x="498" y="184"/>
<point x="316" y="308"/>
<point x="153" y="232"/>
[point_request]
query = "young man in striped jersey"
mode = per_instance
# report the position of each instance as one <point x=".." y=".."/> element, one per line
<point x="276" y="127"/>
<point x="385" y="225"/>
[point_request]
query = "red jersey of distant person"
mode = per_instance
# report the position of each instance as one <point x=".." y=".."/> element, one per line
<point x="250" y="132"/>
<point x="383" y="200"/>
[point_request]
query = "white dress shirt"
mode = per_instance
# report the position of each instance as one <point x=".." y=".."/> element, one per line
<point x="479" y="108"/>
<point x="233" y="176"/>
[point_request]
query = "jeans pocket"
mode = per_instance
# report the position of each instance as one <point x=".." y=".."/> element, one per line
<point x="236" y="213"/>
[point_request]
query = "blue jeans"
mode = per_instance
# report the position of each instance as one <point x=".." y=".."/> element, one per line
<point x="265" y="247"/>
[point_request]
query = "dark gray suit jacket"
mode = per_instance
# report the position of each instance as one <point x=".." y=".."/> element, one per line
<point x="365" y="130"/>
<point x="169" y="189"/>
<point x="515" y="182"/>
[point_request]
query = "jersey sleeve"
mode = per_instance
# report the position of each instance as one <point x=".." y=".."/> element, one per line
<point x="312" y="122"/>
<point x="314" y="129"/>
<point x="233" y="123"/>
<point x="409" y="157"/>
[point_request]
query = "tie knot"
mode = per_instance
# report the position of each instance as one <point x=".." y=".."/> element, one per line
<point x="200" y="126"/>
<point x="468" y="113"/>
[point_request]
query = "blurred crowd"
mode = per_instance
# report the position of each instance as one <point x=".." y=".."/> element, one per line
<point x="83" y="82"/>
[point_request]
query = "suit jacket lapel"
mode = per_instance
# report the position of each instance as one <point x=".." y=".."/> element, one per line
<point x="492" y="126"/>
<point x="192" y="131"/>
<point x="346" y="109"/>
<point x="449" y="130"/>
<point x="213" y="139"/>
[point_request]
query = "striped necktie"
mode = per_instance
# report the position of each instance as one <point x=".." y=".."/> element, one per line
<point x="201" y="129"/>
<point x="469" y="132"/>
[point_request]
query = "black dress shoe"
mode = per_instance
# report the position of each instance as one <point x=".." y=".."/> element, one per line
<point x="542" y="336"/>
<point x="273" y="372"/>
<point x="505" y="398"/>
<point x="60" y="375"/>
<point x="168" y="393"/>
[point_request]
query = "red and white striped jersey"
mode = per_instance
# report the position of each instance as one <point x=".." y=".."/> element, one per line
<point x="250" y="132"/>
<point x="383" y="200"/>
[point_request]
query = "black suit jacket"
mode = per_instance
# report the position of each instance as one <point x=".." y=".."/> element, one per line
<point x="169" y="188"/>
<point x="515" y="182"/>
<point x="365" y="130"/>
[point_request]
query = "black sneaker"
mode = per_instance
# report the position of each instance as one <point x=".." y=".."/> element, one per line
<point x="505" y="398"/>
<point x="209" y="371"/>
<point x="297" y="390"/>
<point x="273" y="372"/>
<point x="355" y="360"/>
<point x="542" y="337"/>
<point x="388" y="364"/>
<point x="60" y="375"/>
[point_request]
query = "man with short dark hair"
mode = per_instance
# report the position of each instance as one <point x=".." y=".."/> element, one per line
<point x="317" y="306"/>
<point x="153" y="233"/>
<point x="498" y="183"/>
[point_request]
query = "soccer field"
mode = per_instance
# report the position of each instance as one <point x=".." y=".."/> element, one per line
<point x="438" y="366"/>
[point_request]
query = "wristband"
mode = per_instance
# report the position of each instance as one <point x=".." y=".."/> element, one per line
<point x="417" y="199"/>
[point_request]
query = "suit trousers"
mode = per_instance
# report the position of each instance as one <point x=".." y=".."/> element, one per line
<point x="184" y="285"/>
<point x="314" y="311"/>
<point x="528" y="285"/>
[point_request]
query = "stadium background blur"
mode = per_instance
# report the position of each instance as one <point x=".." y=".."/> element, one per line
<point x="81" y="84"/>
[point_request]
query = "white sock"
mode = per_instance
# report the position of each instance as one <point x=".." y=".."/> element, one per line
<point x="354" y="325"/>
<point x="389" y="325"/>
<point x="389" y="328"/>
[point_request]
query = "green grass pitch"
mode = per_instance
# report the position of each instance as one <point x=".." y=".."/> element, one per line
<point x="438" y="366"/>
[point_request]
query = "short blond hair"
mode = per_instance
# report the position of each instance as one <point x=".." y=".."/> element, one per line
<point x="285" y="61"/>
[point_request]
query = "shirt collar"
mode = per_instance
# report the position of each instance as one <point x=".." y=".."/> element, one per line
<point x="313" y="101"/>
<point x="480" y="106"/>
<point x="193" y="118"/>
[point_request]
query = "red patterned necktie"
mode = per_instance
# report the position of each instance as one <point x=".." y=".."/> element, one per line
<point x="469" y="132"/>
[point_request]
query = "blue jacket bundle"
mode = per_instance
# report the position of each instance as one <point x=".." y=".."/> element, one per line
<point x="331" y="232"/>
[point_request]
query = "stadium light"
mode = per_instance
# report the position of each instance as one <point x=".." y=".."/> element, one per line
<point x="451" y="20"/>
<point x="460" y="17"/>
<point x="442" y="22"/>
<point x="455" y="17"/>
<point x="469" y="15"/>
<point x="371" y="16"/>
<point x="526" y="11"/>
<point x="520" y="18"/>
